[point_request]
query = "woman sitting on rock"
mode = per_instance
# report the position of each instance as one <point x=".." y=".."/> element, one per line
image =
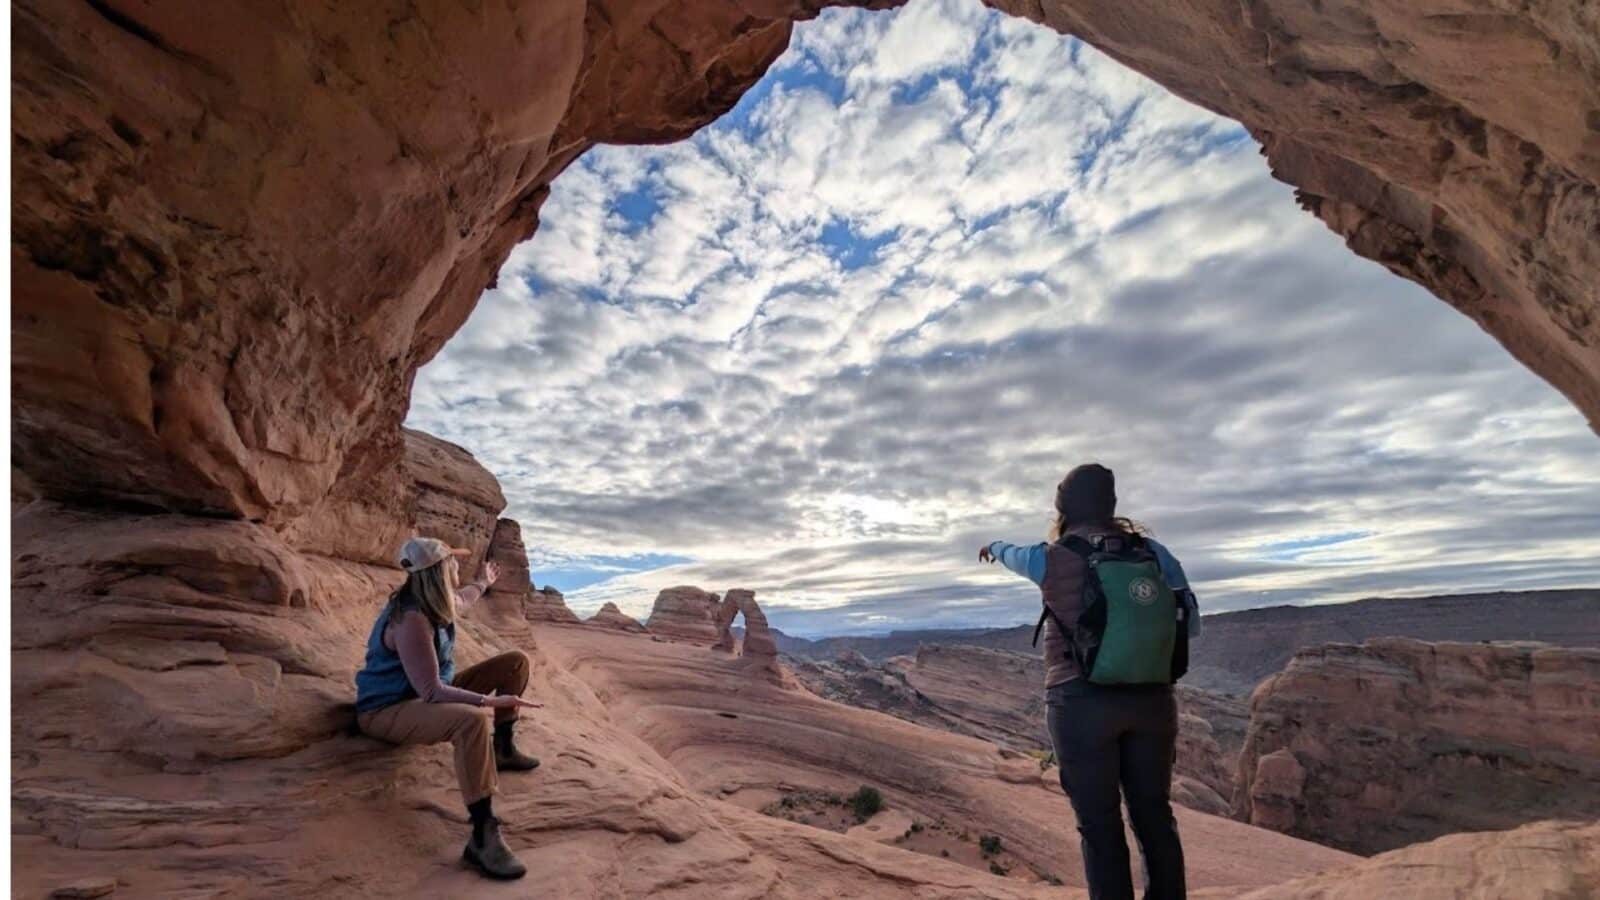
<point x="1111" y="714"/>
<point x="409" y="692"/>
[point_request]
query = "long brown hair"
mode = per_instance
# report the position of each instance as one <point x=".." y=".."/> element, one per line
<point x="1059" y="526"/>
<point x="430" y="591"/>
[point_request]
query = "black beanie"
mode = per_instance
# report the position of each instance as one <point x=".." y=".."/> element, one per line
<point x="1087" y="495"/>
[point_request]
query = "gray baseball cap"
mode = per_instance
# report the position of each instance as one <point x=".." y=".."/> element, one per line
<point x="421" y="552"/>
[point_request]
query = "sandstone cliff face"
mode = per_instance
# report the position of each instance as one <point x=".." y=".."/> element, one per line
<point x="547" y="605"/>
<point x="1395" y="741"/>
<point x="457" y="500"/>
<point x="610" y="616"/>
<point x="514" y="584"/>
<point x="1456" y="144"/>
<point x="179" y="637"/>
<point x="685" y="613"/>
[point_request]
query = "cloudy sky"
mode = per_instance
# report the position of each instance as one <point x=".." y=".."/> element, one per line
<point x="864" y="323"/>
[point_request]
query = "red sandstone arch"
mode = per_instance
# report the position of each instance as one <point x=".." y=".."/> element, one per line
<point x="239" y="229"/>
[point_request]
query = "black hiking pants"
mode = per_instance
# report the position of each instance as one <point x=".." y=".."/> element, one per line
<point x="1106" y="737"/>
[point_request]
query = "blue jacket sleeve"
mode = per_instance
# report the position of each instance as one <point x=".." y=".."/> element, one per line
<point x="1027" y="561"/>
<point x="1172" y="571"/>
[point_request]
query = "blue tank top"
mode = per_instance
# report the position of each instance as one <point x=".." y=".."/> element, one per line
<point x="382" y="681"/>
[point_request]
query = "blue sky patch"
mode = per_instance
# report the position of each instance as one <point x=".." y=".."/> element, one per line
<point x="589" y="570"/>
<point x="852" y="249"/>
<point x="1290" y="551"/>
<point x="638" y="207"/>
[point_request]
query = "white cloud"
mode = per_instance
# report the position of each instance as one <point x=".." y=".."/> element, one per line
<point x="884" y="305"/>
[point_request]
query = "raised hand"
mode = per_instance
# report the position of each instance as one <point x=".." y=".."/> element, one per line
<point x="984" y="555"/>
<point x="491" y="573"/>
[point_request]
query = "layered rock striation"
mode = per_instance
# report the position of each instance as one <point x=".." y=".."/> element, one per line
<point x="685" y="613"/>
<point x="180" y="637"/>
<point x="1396" y="741"/>
<point x="547" y="604"/>
<point x="515" y="585"/>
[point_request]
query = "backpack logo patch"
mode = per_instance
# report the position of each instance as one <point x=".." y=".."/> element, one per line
<point x="1143" y="591"/>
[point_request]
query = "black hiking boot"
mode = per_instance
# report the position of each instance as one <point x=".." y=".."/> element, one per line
<point x="507" y="758"/>
<point x="489" y="853"/>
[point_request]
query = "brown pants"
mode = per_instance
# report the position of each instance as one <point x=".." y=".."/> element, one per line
<point x="467" y="727"/>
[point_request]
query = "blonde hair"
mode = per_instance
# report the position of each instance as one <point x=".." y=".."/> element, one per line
<point x="430" y="591"/>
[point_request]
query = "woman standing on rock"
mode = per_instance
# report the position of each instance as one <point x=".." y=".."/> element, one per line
<point x="409" y="693"/>
<point x="1117" y="614"/>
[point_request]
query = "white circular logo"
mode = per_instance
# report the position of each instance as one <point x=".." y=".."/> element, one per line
<point x="1143" y="591"/>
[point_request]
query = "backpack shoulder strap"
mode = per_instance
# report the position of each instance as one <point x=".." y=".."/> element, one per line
<point x="1048" y="613"/>
<point x="1078" y="544"/>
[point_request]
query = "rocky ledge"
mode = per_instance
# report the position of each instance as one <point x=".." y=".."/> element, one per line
<point x="1395" y="741"/>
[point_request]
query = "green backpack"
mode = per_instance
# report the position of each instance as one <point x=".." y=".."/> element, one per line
<point x="1131" y="629"/>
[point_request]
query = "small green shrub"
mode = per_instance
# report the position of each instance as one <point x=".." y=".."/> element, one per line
<point x="998" y="869"/>
<point x="866" y="803"/>
<point x="944" y="852"/>
<point x="915" y="827"/>
<point x="989" y="844"/>
<point x="1050" y="878"/>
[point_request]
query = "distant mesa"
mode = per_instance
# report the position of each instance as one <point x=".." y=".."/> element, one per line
<point x="610" y="616"/>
